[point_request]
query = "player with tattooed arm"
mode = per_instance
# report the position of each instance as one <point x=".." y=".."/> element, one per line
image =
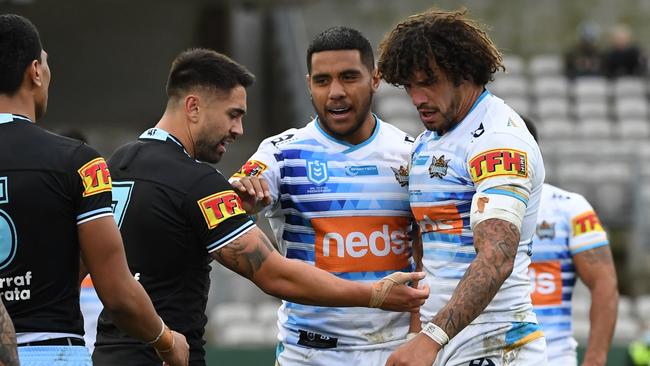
<point x="475" y="181"/>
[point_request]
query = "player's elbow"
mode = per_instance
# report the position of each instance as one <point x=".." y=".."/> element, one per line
<point x="120" y="300"/>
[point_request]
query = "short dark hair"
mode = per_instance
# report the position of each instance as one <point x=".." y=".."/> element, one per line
<point x="439" y="39"/>
<point x="342" y="38"/>
<point x="20" y="45"/>
<point x="204" y="68"/>
<point x="531" y="127"/>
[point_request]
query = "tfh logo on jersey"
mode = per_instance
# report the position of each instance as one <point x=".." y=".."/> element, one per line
<point x="252" y="168"/>
<point x="361" y="244"/>
<point x="95" y="177"/>
<point x="497" y="162"/>
<point x="585" y="223"/>
<point x="545" y="230"/>
<point x="317" y="171"/>
<point x="438" y="167"/>
<point x="219" y="207"/>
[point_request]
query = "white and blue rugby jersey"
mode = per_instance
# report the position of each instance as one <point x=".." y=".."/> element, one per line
<point x="344" y="209"/>
<point x="566" y="225"/>
<point x="489" y="151"/>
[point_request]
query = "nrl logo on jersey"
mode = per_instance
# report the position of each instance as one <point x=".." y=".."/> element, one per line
<point x="317" y="171"/>
<point x="545" y="230"/>
<point x="438" y="167"/>
<point x="402" y="175"/>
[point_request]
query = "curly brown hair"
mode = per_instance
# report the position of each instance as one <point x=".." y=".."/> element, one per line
<point x="436" y="38"/>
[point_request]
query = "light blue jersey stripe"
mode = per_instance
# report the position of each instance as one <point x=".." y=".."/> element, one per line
<point x="98" y="211"/>
<point x="504" y="192"/>
<point x="247" y="225"/>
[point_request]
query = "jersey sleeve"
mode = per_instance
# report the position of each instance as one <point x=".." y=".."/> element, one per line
<point x="91" y="185"/>
<point x="504" y="164"/>
<point x="586" y="230"/>
<point x="266" y="163"/>
<point x="216" y="214"/>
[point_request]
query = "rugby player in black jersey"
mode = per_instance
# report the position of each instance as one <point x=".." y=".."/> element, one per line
<point x="177" y="213"/>
<point x="55" y="205"/>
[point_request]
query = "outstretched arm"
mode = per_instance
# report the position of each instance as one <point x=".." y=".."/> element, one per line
<point x="253" y="257"/>
<point x="596" y="269"/>
<point x="8" y="351"/>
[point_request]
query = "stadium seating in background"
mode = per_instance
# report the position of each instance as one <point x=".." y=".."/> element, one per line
<point x="544" y="65"/>
<point x="551" y="86"/>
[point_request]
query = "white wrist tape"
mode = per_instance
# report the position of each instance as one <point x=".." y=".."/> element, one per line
<point x="436" y="333"/>
<point x="496" y="206"/>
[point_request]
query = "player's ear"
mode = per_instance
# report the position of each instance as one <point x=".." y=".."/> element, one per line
<point x="34" y="74"/>
<point x="308" y="81"/>
<point x="191" y="106"/>
<point x="376" y="79"/>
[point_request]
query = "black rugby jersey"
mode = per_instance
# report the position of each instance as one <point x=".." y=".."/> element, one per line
<point x="172" y="212"/>
<point x="49" y="184"/>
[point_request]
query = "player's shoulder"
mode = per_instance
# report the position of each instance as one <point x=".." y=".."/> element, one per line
<point x="62" y="151"/>
<point x="563" y="198"/>
<point x="161" y="162"/>
<point x="395" y="135"/>
<point x="50" y="141"/>
<point x="501" y="120"/>
<point x="283" y="139"/>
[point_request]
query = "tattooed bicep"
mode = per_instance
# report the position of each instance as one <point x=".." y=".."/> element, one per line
<point x="246" y="254"/>
<point x="499" y="233"/>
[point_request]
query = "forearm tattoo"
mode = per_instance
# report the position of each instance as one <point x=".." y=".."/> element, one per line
<point x="496" y="243"/>
<point x="246" y="257"/>
<point x="8" y="351"/>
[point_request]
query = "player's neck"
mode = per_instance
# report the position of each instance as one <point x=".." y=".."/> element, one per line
<point x="177" y="127"/>
<point x="18" y="104"/>
<point x="470" y="93"/>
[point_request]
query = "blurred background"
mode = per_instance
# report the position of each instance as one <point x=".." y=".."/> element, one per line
<point x="577" y="68"/>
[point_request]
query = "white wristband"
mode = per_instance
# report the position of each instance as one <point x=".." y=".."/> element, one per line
<point x="436" y="333"/>
<point x="162" y="331"/>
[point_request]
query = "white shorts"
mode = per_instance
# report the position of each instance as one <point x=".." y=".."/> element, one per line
<point x="292" y="355"/>
<point x="54" y="356"/>
<point x="562" y="352"/>
<point x="495" y="344"/>
<point x="90" y="306"/>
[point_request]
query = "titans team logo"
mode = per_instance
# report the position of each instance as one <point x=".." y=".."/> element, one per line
<point x="438" y="167"/>
<point x="402" y="175"/>
<point x="317" y="171"/>
<point x="545" y="230"/>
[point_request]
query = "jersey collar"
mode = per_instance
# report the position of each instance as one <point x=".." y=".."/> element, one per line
<point x="8" y="118"/>
<point x="350" y="146"/>
<point x="159" y="134"/>
<point x="434" y="135"/>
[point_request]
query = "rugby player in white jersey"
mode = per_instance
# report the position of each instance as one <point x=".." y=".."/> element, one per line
<point x="569" y="241"/>
<point x="339" y="203"/>
<point x="475" y="181"/>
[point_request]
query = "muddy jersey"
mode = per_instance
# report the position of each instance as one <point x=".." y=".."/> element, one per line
<point x="566" y="225"/>
<point x="344" y="209"/>
<point x="49" y="185"/>
<point x="492" y="152"/>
